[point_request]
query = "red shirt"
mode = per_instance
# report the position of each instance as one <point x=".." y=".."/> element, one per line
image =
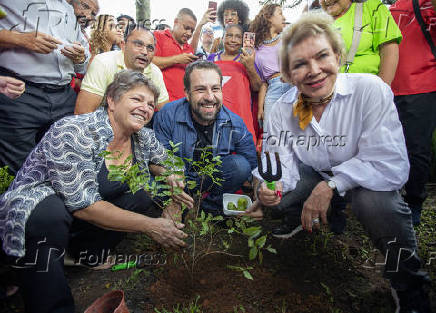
<point x="236" y="92"/>
<point x="167" y="46"/>
<point x="416" y="71"/>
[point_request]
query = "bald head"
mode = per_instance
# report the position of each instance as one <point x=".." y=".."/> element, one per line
<point x="85" y="11"/>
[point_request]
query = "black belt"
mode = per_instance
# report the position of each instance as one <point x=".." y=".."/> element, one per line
<point x="44" y="87"/>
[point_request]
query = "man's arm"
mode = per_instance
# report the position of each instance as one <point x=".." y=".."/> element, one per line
<point x="87" y="102"/>
<point x="183" y="58"/>
<point x="161" y="129"/>
<point x="245" y="146"/>
<point x="160" y="105"/>
<point x="389" y="55"/>
<point x="34" y="41"/>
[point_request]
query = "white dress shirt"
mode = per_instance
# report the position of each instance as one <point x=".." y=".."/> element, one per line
<point x="359" y="137"/>
<point x="52" y="17"/>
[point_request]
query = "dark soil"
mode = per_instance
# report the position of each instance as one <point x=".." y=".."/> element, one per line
<point x="315" y="272"/>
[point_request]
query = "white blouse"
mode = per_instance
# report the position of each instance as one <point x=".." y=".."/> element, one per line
<point x="359" y="137"/>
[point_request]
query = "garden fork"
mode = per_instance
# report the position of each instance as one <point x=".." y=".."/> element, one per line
<point x="268" y="176"/>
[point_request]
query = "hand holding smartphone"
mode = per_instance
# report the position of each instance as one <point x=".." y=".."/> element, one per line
<point x="248" y="43"/>
<point x="213" y="5"/>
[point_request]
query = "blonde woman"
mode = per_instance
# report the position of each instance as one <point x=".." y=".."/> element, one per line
<point x="338" y="135"/>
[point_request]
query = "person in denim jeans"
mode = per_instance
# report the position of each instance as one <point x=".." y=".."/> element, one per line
<point x="268" y="26"/>
<point x="200" y="121"/>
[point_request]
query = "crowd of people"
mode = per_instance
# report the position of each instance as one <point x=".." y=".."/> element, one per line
<point x="345" y="96"/>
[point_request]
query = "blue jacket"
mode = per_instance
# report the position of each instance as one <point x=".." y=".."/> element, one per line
<point x="230" y="135"/>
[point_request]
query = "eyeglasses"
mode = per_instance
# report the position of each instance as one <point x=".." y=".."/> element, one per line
<point x="141" y="45"/>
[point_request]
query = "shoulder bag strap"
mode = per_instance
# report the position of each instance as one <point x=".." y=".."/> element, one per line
<point x="423" y="27"/>
<point x="357" y="32"/>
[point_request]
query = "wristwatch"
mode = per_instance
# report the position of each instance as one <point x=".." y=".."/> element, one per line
<point x="331" y="184"/>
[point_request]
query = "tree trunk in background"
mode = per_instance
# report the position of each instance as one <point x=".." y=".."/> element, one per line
<point x="143" y="12"/>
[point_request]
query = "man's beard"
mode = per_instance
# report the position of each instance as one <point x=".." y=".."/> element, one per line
<point x="206" y="117"/>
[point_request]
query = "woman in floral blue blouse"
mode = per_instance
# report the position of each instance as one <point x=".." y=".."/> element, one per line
<point x="61" y="198"/>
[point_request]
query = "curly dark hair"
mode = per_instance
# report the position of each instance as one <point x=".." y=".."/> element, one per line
<point x="239" y="6"/>
<point x="261" y="24"/>
<point x="99" y="36"/>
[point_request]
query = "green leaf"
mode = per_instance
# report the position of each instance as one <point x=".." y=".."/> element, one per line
<point x="250" y="243"/>
<point x="247" y="275"/>
<point x="191" y="184"/>
<point x="271" y="249"/>
<point x="260" y="242"/>
<point x="253" y="253"/>
<point x="253" y="232"/>
<point x="226" y="244"/>
<point x="235" y="268"/>
<point x="205" y="229"/>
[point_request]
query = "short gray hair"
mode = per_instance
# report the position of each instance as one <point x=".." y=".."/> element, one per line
<point x="127" y="80"/>
<point x="309" y="25"/>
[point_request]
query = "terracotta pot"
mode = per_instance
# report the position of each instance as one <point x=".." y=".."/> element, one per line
<point x="111" y="302"/>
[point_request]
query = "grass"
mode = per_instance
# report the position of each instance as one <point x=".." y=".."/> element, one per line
<point x="426" y="235"/>
<point x="130" y="282"/>
<point x="192" y="307"/>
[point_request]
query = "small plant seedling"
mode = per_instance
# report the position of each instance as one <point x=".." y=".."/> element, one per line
<point x="244" y="270"/>
<point x="206" y="237"/>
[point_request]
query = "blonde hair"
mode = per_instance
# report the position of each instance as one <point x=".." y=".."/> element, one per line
<point x="310" y="24"/>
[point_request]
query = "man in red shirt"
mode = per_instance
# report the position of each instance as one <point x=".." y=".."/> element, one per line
<point x="173" y="52"/>
<point x="414" y="87"/>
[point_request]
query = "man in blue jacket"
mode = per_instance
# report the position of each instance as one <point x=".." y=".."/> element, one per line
<point x="200" y="120"/>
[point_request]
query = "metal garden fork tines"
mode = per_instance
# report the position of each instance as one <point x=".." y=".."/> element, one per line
<point x="268" y="176"/>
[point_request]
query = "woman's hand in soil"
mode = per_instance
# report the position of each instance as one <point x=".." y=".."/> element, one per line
<point x="269" y="197"/>
<point x="176" y="181"/>
<point x="173" y="212"/>
<point x="167" y="233"/>
<point x="316" y="206"/>
<point x="254" y="211"/>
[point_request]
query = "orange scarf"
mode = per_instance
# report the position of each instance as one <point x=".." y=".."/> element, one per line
<point x="303" y="108"/>
<point x="303" y="111"/>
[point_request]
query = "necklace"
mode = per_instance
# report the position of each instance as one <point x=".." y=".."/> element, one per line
<point x="267" y="42"/>
<point x="322" y="101"/>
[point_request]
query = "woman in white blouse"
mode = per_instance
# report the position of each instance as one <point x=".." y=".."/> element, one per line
<point x="339" y="135"/>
